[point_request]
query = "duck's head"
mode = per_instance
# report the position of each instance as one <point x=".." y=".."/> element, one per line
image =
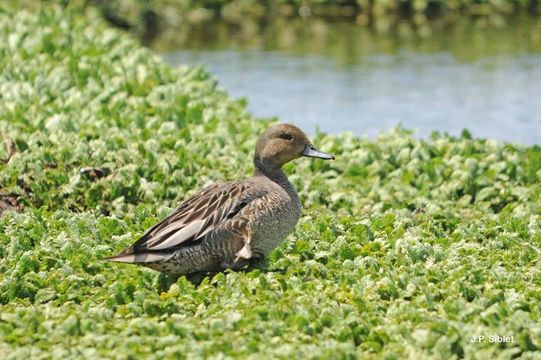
<point x="283" y="143"/>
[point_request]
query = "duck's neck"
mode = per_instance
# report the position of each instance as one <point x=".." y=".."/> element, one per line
<point x="276" y="174"/>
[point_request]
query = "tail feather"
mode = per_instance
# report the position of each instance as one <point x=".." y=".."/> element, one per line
<point x="143" y="258"/>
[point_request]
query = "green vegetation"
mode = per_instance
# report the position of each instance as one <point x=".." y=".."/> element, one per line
<point x="407" y="247"/>
<point x="147" y="17"/>
<point x="363" y="11"/>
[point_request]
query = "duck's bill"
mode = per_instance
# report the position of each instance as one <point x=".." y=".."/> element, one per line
<point x="311" y="151"/>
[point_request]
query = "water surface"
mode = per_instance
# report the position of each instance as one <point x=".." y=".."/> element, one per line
<point x="489" y="82"/>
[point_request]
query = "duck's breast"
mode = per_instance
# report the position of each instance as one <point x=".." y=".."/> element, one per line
<point x="277" y="218"/>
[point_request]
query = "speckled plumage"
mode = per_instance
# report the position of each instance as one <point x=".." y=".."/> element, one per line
<point x="230" y="224"/>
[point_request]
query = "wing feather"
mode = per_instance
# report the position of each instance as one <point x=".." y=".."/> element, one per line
<point x="186" y="232"/>
<point x="193" y="219"/>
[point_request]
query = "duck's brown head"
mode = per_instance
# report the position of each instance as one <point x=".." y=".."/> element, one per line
<point x="282" y="143"/>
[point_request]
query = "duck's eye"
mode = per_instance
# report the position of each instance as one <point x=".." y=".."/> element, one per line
<point x="286" y="136"/>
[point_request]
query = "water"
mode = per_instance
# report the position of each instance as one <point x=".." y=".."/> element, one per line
<point x="494" y="93"/>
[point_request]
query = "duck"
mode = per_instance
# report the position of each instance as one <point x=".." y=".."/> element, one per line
<point x="234" y="224"/>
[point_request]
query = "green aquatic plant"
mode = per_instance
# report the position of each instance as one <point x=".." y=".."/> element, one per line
<point x="407" y="247"/>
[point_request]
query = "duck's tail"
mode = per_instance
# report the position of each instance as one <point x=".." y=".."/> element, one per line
<point x="143" y="258"/>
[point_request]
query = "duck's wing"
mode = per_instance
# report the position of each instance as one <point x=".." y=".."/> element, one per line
<point x="240" y="226"/>
<point x="190" y="222"/>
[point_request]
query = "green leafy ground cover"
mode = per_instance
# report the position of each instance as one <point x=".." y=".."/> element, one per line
<point x="407" y="249"/>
